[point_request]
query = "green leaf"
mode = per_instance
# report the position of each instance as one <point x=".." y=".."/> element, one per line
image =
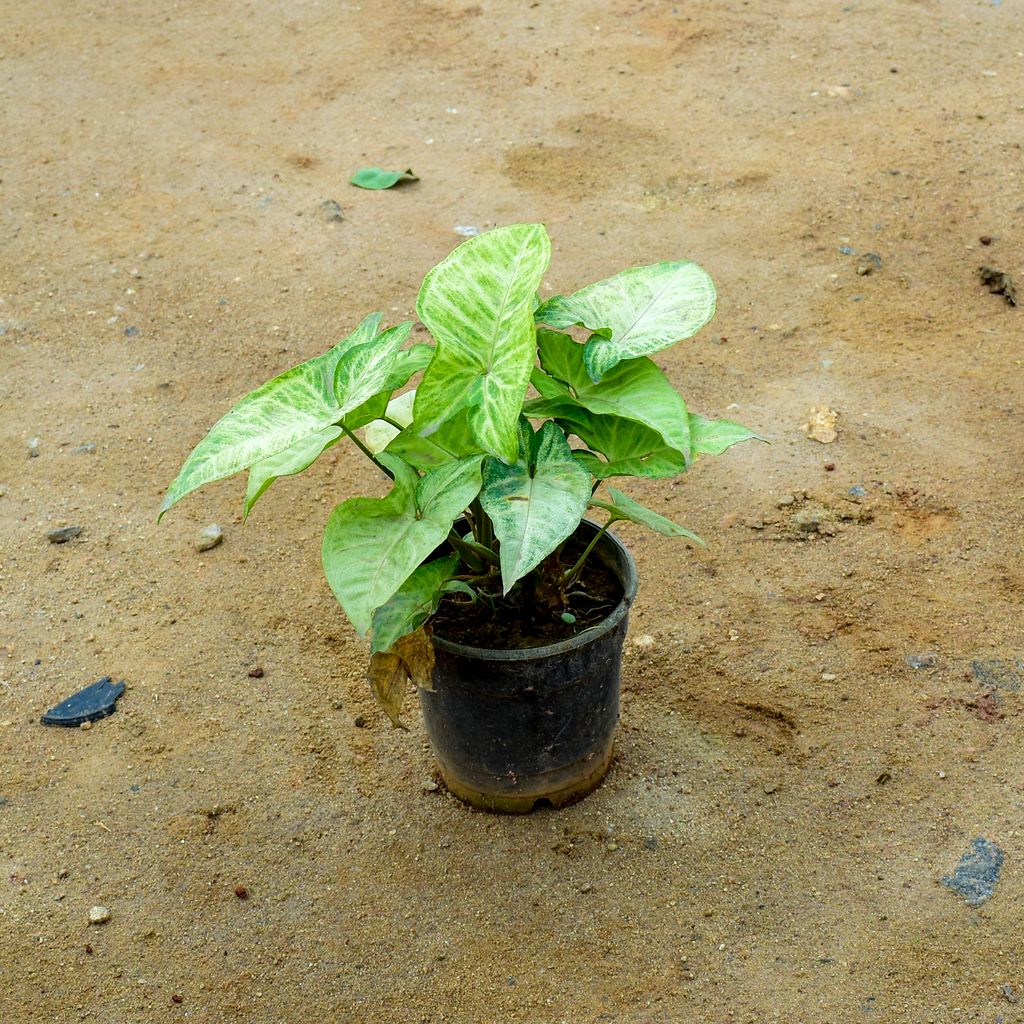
<point x="629" y="449"/>
<point x="270" y="419"/>
<point x="535" y="503"/>
<point x="372" y="545"/>
<point x="635" y="390"/>
<point x="378" y="178"/>
<point x="292" y="460"/>
<point x="478" y="305"/>
<point x="408" y="363"/>
<point x="712" y="437"/>
<point x="624" y="507"/>
<point x="413" y="603"/>
<point x="635" y="313"/>
<point x="364" y="370"/>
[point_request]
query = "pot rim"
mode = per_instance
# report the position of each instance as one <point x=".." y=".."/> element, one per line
<point x="627" y="577"/>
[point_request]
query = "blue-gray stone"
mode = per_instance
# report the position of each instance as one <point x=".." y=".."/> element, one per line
<point x="922" y="660"/>
<point x="858" y="491"/>
<point x="96" y="701"/>
<point x="847" y="250"/>
<point x="977" y="873"/>
<point x="1000" y="673"/>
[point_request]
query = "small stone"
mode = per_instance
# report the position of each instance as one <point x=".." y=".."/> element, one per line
<point x="828" y="677"/>
<point x="430" y="786"/>
<point x="99" y="915"/>
<point x="1008" y="994"/>
<point x="85" y="449"/>
<point x="977" y="873"/>
<point x="785" y="501"/>
<point x="999" y="673"/>
<point x="32" y="444"/>
<point x="985" y="239"/>
<point x="829" y="467"/>
<point x="359" y="722"/>
<point x="209" y="537"/>
<point x="858" y="491"/>
<point x="467" y="230"/>
<point x="771" y="787"/>
<point x="809" y="520"/>
<point x="63" y="534"/>
<point x="612" y="847"/>
<point x="85" y="726"/>
<point x="330" y="211"/>
<point x="917" y="661"/>
<point x="256" y="673"/>
<point x="131" y="332"/>
<point x="177" y="998"/>
<point x="821" y="424"/>
<point x="587" y="887"/>
<point x="241" y="892"/>
<point x="755" y="523"/>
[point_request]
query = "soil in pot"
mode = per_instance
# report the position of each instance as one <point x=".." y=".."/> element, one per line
<point x="518" y="620"/>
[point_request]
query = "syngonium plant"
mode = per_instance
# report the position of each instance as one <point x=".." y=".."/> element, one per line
<point x="479" y="453"/>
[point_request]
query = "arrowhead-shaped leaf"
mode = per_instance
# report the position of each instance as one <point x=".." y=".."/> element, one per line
<point x="624" y="507"/>
<point x="270" y="419"/>
<point x="712" y="437"/>
<point x="635" y="313"/>
<point x="478" y="305"/>
<point x="292" y="460"/>
<point x="372" y="545"/>
<point x="635" y="390"/>
<point x="413" y="603"/>
<point x="535" y="503"/>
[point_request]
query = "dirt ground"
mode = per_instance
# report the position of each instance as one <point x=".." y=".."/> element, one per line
<point x="788" y="792"/>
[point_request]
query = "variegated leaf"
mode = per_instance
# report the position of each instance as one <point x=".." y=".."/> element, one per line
<point x="535" y="503"/>
<point x="372" y="545"/>
<point x="712" y="437"/>
<point x="270" y="419"/>
<point x="478" y="305"/>
<point x="635" y="390"/>
<point x="624" y="507"/>
<point x="636" y="312"/>
<point x="413" y="603"/>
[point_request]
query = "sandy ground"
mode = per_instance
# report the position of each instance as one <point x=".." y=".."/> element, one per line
<point x="788" y="793"/>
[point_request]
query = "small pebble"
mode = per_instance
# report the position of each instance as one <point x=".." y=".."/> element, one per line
<point x="330" y="211"/>
<point x="209" y="537"/>
<point x="241" y="892"/>
<point x="922" y="660"/>
<point x="359" y="722"/>
<point x="985" y="239"/>
<point x="828" y="677"/>
<point x="85" y="449"/>
<point x="785" y="501"/>
<point x="858" y="491"/>
<point x="63" y="534"/>
<point x="977" y="873"/>
<point x="99" y="915"/>
<point x="32" y="444"/>
<point x="1008" y="994"/>
<point x="85" y="726"/>
<point x="467" y="230"/>
<point x="847" y="250"/>
<point x="88" y="949"/>
<point x="131" y="332"/>
<point x="256" y="673"/>
<point x="586" y="887"/>
<point x="829" y="466"/>
<point x="430" y="786"/>
<point x="176" y="998"/>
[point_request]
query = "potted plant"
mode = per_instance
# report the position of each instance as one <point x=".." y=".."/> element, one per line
<point x="478" y="575"/>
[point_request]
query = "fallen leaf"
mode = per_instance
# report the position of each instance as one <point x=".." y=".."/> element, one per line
<point x="377" y="177"/>
<point x="821" y="424"/>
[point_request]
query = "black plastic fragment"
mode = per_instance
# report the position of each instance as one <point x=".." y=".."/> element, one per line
<point x="96" y="701"/>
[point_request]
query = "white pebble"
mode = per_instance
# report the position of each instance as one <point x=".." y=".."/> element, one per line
<point x="99" y="915"/>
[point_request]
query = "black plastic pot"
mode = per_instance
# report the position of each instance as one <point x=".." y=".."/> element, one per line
<point x="514" y="727"/>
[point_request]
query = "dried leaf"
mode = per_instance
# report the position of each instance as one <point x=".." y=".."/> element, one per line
<point x="821" y="424"/>
<point x="417" y="654"/>
<point x="388" y="679"/>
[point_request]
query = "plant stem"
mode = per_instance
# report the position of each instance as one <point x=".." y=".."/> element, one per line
<point x="392" y="423"/>
<point x="570" y="576"/>
<point x="366" y="451"/>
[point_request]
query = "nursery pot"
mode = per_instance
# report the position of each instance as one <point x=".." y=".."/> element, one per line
<point x="510" y="728"/>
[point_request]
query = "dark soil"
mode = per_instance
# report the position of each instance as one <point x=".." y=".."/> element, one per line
<point x="523" y="618"/>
